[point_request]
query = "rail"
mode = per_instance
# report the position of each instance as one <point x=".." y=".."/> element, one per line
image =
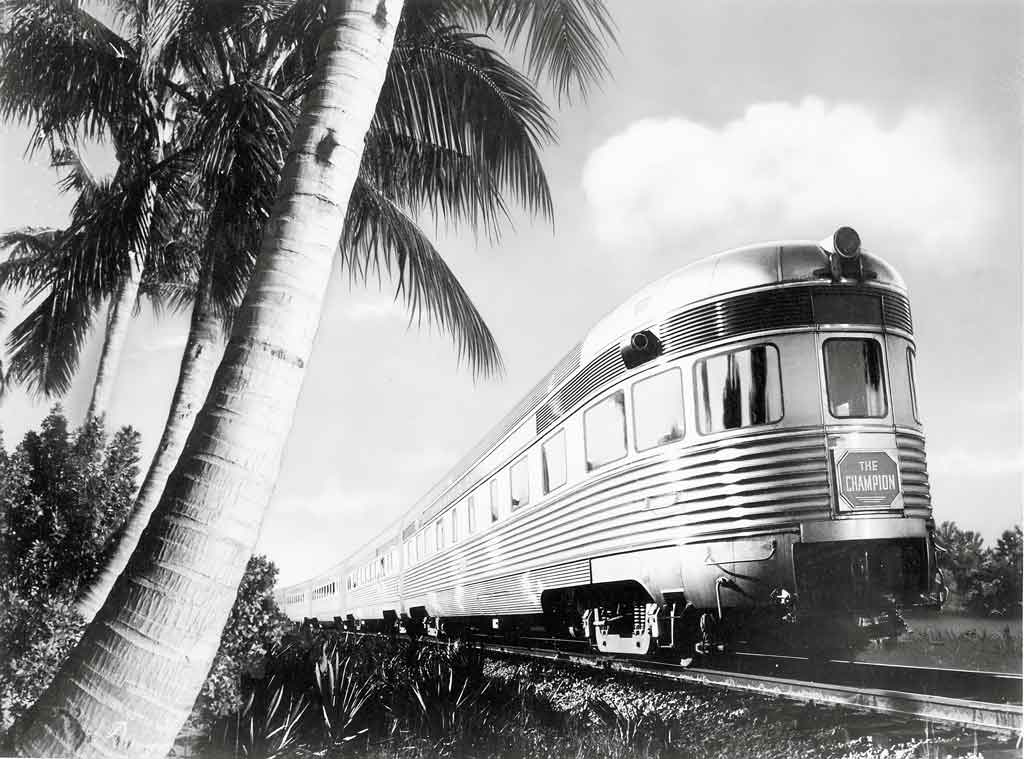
<point x="985" y="710"/>
<point x="986" y="701"/>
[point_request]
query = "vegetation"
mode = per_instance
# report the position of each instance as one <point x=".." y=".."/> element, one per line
<point x="334" y="696"/>
<point x="63" y="496"/>
<point x="194" y="551"/>
<point x="982" y="581"/>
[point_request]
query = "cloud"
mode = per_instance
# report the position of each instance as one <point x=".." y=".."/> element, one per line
<point x="786" y="170"/>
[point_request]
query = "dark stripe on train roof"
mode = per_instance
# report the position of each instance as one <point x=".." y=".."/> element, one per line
<point x="767" y="309"/>
<point x="780" y="308"/>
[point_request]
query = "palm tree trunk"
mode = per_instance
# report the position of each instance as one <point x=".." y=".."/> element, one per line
<point x="118" y="321"/>
<point x="128" y="686"/>
<point x="203" y="350"/>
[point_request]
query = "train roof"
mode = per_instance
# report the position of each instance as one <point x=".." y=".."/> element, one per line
<point x="750" y="267"/>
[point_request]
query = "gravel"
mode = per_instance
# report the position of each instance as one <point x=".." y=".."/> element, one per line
<point x="653" y="718"/>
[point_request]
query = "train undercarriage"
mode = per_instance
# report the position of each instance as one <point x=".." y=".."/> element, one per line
<point x="842" y="596"/>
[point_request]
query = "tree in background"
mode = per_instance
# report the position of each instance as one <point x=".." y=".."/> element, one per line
<point x="255" y="625"/>
<point x="995" y="587"/>
<point x="63" y="497"/>
<point x="982" y="580"/>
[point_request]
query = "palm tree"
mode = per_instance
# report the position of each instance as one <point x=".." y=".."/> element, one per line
<point x="129" y="684"/>
<point x="409" y="164"/>
<point x="72" y="77"/>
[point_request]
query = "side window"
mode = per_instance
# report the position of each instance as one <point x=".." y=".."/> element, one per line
<point x="553" y="461"/>
<point x="739" y="389"/>
<point x="912" y="374"/>
<point x="471" y="515"/>
<point x="658" y="409"/>
<point x="520" y="477"/>
<point x="495" y="505"/>
<point x="439" y="528"/>
<point x="854" y="378"/>
<point x="604" y="430"/>
<point x="456" y="514"/>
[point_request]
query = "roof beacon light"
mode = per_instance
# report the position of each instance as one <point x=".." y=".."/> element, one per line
<point x="846" y="242"/>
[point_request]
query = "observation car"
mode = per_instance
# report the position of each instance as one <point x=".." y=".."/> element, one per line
<point x="735" y="451"/>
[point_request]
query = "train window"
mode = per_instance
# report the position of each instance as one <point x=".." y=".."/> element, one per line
<point x="912" y="374"/>
<point x="604" y="430"/>
<point x="553" y="461"/>
<point x="470" y="515"/>
<point x="658" y="409"/>
<point x="853" y="377"/>
<point x="520" y="477"/>
<point x="495" y="506"/>
<point x="739" y="389"/>
<point x="456" y="512"/>
<point x="440" y="534"/>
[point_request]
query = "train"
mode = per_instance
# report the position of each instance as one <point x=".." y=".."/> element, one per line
<point x="735" y="453"/>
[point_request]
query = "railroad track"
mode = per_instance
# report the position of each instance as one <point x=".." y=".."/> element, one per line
<point x="987" y="701"/>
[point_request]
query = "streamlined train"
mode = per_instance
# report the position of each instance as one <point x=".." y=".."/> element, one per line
<point x="734" y="453"/>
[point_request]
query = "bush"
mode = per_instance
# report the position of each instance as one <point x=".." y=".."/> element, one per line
<point x="982" y="580"/>
<point x="64" y="497"/>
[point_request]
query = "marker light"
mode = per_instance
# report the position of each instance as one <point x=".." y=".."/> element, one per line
<point x="846" y="242"/>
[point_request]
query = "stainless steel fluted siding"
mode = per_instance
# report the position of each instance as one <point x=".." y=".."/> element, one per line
<point x="769" y="481"/>
<point x="914" y="473"/>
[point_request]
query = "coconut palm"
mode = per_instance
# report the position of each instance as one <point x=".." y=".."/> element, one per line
<point x="71" y="77"/>
<point x="67" y="273"/>
<point x="460" y="171"/>
<point x="130" y="682"/>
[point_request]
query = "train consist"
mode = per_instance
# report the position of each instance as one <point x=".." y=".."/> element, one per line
<point x="734" y="452"/>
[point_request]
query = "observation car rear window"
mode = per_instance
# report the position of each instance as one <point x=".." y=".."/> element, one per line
<point x="604" y="430"/>
<point x="912" y="376"/>
<point x="520" y="477"/>
<point x="658" y="409"/>
<point x="553" y="461"/>
<point x="854" y="378"/>
<point x="739" y="389"/>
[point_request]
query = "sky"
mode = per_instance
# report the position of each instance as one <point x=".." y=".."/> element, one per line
<point x="725" y="122"/>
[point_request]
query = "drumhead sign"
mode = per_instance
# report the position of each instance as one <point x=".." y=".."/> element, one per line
<point x="868" y="479"/>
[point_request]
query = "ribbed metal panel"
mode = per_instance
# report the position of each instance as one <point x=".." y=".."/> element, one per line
<point x="896" y="312"/>
<point x="512" y="593"/>
<point x="602" y="369"/>
<point x="913" y="470"/>
<point x="779" y="308"/>
<point x="753" y="312"/>
<point x="766" y="482"/>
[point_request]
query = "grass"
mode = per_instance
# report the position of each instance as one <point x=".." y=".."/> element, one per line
<point x="336" y="696"/>
<point x="944" y="640"/>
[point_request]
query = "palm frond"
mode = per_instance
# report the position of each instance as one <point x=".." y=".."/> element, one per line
<point x="32" y="255"/>
<point x="378" y="238"/>
<point x="450" y="91"/>
<point x="44" y="348"/>
<point x="67" y="73"/>
<point x="78" y="177"/>
<point x="564" y="40"/>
